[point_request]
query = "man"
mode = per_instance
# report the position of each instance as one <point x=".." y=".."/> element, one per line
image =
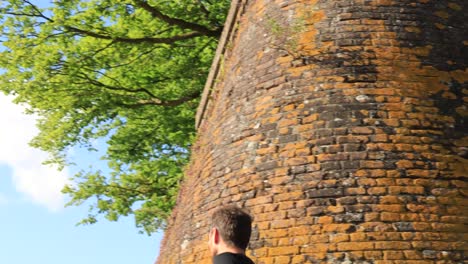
<point x="229" y="236"/>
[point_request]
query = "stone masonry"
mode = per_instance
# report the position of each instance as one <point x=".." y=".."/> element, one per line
<point x="341" y="126"/>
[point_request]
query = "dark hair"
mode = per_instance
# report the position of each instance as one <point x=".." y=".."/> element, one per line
<point x="234" y="225"/>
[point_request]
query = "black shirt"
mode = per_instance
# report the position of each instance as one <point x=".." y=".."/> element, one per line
<point x="231" y="258"/>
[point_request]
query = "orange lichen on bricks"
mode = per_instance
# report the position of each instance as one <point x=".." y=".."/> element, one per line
<point x="344" y="138"/>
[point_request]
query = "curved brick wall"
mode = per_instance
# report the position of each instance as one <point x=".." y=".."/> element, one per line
<point x="346" y="138"/>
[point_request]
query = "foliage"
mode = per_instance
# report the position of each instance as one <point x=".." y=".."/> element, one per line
<point x="284" y="31"/>
<point x="129" y="71"/>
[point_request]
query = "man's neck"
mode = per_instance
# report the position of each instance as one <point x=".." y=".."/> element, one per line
<point x="227" y="249"/>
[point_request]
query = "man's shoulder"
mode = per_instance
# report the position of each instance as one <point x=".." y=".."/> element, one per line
<point x="231" y="258"/>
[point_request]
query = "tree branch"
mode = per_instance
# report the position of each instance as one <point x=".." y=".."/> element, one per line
<point x="136" y="192"/>
<point x="39" y="13"/>
<point x="132" y="60"/>
<point x="207" y="13"/>
<point x="203" y="8"/>
<point x="91" y="56"/>
<point x="168" y="40"/>
<point x="159" y="102"/>
<point x="152" y="101"/>
<point x="21" y="14"/>
<point x="178" y="22"/>
<point x="100" y="84"/>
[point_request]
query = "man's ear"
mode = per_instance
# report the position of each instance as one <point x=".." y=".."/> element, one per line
<point x="216" y="235"/>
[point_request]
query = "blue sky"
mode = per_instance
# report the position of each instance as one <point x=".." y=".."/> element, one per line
<point x="34" y="225"/>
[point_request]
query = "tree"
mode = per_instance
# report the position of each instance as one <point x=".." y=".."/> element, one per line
<point x="129" y="71"/>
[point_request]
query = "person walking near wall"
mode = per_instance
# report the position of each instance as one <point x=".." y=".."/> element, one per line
<point x="229" y="235"/>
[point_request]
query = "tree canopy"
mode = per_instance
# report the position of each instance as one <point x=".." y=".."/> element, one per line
<point x="128" y="71"/>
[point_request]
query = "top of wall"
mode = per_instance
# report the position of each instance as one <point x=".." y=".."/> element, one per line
<point x="226" y="36"/>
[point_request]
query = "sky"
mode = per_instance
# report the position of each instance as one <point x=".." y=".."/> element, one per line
<point x="34" y="225"/>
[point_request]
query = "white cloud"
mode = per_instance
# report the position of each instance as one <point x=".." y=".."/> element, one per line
<point x="41" y="184"/>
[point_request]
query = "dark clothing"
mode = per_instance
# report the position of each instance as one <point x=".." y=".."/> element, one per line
<point x="231" y="258"/>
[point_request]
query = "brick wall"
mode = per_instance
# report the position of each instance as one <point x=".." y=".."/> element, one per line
<point x="342" y="127"/>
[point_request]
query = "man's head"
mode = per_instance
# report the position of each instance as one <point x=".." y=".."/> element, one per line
<point x="230" y="230"/>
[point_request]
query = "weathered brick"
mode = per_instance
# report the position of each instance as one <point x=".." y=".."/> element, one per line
<point x="280" y="224"/>
<point x="396" y="245"/>
<point x="389" y="217"/>
<point x="358" y="237"/>
<point x="349" y="218"/>
<point x="390" y="255"/>
<point x="377" y="190"/>
<point x="331" y="192"/>
<point x="373" y="254"/>
<point x="389" y="208"/>
<point x="369" y="217"/>
<point x="314" y="211"/>
<point x="346" y="148"/>
<point x="339" y="238"/>
<point x="362" y="130"/>
<point x="354" y="191"/>
<point x="406" y="190"/>
<point x="279" y="251"/>
<point x="335" y="209"/>
<point x="349" y="246"/>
